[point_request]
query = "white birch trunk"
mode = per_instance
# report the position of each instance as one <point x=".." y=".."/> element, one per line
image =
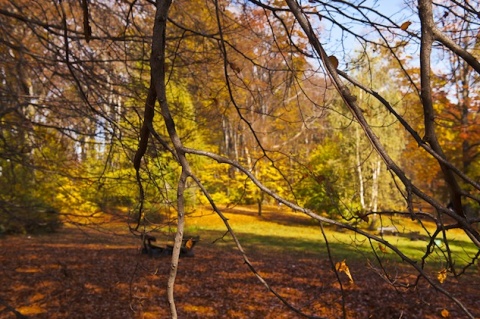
<point x="359" y="169"/>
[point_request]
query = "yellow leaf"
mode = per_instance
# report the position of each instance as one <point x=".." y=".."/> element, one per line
<point x="341" y="266"/>
<point x="445" y="313"/>
<point x="442" y="275"/>
<point x="405" y="25"/>
<point x="333" y="60"/>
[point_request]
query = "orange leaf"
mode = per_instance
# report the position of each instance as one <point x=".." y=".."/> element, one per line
<point x="445" y="313"/>
<point x="333" y="60"/>
<point x="442" y="275"/>
<point x="405" y="25"/>
<point x="342" y="267"/>
<point x="189" y="244"/>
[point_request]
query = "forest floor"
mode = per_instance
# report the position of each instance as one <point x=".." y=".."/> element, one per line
<point x="101" y="273"/>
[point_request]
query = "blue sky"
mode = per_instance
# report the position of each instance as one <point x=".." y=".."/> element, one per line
<point x="342" y="44"/>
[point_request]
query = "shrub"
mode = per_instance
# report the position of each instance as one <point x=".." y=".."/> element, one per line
<point x="28" y="218"/>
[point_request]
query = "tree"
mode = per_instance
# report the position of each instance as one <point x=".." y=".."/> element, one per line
<point x="64" y="103"/>
<point x="373" y="188"/>
<point x="248" y="87"/>
<point x="430" y="142"/>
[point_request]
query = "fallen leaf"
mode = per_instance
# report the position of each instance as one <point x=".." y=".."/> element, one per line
<point x="442" y="275"/>
<point x="445" y="313"/>
<point x="405" y="25"/>
<point x="333" y="60"/>
<point x="341" y="266"/>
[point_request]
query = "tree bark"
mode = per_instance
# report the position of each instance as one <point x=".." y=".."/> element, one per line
<point x="427" y="38"/>
<point x="157" y="62"/>
<point x="359" y="169"/>
<point x="351" y="102"/>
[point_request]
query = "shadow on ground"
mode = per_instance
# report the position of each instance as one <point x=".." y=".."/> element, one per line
<point x="87" y="274"/>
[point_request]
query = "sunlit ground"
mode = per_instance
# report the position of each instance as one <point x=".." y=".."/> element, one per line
<point x="87" y="273"/>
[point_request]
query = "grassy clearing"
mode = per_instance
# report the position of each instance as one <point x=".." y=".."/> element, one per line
<point x="280" y="230"/>
<point x="83" y="270"/>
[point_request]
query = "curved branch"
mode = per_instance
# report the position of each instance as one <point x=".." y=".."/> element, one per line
<point x="455" y="48"/>
<point x="242" y="251"/>
<point x="427" y="25"/>
<point x="410" y="130"/>
<point x="412" y="263"/>
<point x="157" y="63"/>
<point x="351" y="101"/>
<point x="142" y="146"/>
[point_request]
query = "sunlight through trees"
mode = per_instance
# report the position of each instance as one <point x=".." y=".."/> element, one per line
<point x="349" y="113"/>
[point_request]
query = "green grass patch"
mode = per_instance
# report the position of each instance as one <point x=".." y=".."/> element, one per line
<point x="283" y="231"/>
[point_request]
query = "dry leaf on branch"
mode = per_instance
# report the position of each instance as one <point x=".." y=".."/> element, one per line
<point x="363" y="217"/>
<point x="341" y="266"/>
<point x="405" y="25"/>
<point x="333" y="60"/>
<point x="235" y="67"/>
<point x="442" y="275"/>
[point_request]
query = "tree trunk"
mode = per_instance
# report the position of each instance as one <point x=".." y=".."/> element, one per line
<point x="361" y="186"/>
<point x="259" y="202"/>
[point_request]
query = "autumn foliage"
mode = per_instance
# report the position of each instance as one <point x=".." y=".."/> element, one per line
<point x="85" y="273"/>
<point x="358" y="116"/>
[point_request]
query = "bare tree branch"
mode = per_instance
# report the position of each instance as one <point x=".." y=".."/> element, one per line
<point x="455" y="48"/>
<point x="326" y="220"/>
